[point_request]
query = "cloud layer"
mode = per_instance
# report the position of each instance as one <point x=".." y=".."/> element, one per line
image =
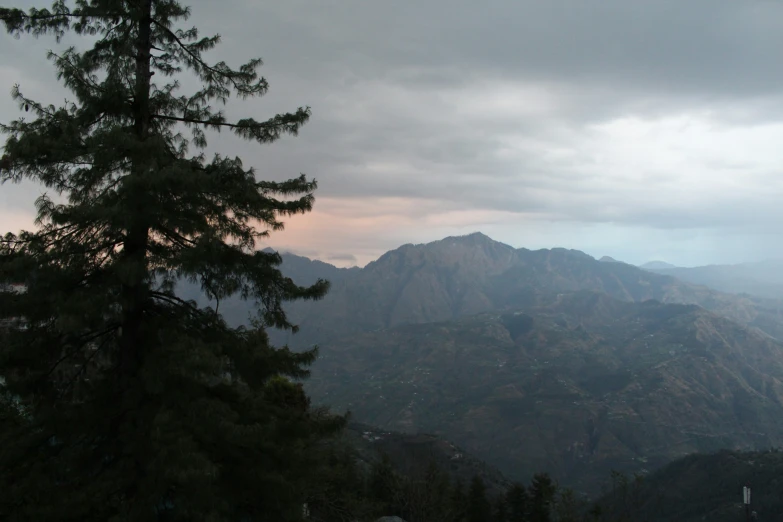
<point x="630" y="128"/>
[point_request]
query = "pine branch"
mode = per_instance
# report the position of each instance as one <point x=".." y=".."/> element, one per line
<point x="176" y="301"/>
<point x="39" y="21"/>
<point x="84" y="366"/>
<point x="263" y="132"/>
<point x="182" y="45"/>
<point x="14" y="15"/>
<point x="88" y="338"/>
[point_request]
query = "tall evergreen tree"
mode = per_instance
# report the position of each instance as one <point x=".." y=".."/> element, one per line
<point x="122" y="401"/>
<point x="518" y="503"/>
<point x="500" y="509"/>
<point x="338" y="491"/>
<point x="384" y="485"/>
<point x="479" y="507"/>
<point x="543" y="493"/>
<point x="459" y="502"/>
<point x="426" y="495"/>
<point x="437" y="486"/>
<point x="568" y="506"/>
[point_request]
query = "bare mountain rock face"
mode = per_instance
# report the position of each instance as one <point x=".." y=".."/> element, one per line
<point x="462" y="276"/>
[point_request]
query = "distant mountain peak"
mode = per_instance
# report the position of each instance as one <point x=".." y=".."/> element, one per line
<point x="657" y="265"/>
<point x="474" y="238"/>
<point x="476" y="241"/>
<point x="607" y="259"/>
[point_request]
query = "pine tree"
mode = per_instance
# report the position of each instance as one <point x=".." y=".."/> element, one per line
<point x="542" y="496"/>
<point x="121" y="401"/>
<point x="437" y="487"/>
<point x="384" y="485"/>
<point x="500" y="510"/>
<point x="568" y="506"/>
<point x="518" y="503"/>
<point x="459" y="502"/>
<point x="479" y="507"/>
<point x="338" y="490"/>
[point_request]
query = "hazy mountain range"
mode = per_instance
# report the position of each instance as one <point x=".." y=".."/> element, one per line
<point x="762" y="279"/>
<point x="461" y="276"/>
<point x="578" y="387"/>
<point x="657" y="265"/>
<point x="544" y="360"/>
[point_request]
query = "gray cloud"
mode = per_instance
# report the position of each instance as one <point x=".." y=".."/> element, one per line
<point x="625" y="113"/>
<point x="347" y="258"/>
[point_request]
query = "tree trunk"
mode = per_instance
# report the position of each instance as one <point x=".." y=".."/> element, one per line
<point x="134" y="287"/>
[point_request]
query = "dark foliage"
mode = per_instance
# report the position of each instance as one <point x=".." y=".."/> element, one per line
<point x="121" y="401"/>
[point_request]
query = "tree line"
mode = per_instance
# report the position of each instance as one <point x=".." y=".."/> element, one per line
<point x="429" y="493"/>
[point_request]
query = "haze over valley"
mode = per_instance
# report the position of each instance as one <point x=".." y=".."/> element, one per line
<point x="542" y="360"/>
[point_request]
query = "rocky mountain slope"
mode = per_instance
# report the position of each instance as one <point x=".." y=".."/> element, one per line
<point x="580" y="386"/>
<point x="543" y="360"/>
<point x="461" y="276"/>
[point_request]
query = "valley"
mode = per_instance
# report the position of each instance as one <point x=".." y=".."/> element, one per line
<point x="584" y="386"/>
<point x="542" y="360"/>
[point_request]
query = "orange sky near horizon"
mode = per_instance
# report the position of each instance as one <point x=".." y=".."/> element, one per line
<point x="372" y="227"/>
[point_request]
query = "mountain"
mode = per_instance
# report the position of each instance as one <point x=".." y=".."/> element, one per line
<point x="607" y="259"/>
<point x="302" y="270"/>
<point x="706" y="487"/>
<point x="577" y="387"/>
<point x="411" y="453"/>
<point x="763" y="279"/>
<point x="305" y="271"/>
<point x="462" y="276"/>
<point x="541" y="360"/>
<point x="657" y="265"/>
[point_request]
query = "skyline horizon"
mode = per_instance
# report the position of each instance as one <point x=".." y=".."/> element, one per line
<point x="601" y="141"/>
<point x="345" y="263"/>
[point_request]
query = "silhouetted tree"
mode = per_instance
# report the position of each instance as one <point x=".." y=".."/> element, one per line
<point x="500" y="512"/>
<point x="133" y="404"/>
<point x="568" y="507"/>
<point x="459" y="502"/>
<point x="518" y="503"/>
<point x="542" y="496"/>
<point x="479" y="507"/>
<point x="384" y="485"/>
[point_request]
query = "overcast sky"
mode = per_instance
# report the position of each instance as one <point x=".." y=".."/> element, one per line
<point x="636" y="129"/>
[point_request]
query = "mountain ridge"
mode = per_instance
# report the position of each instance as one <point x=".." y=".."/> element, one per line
<point x="576" y="388"/>
<point x="657" y="265"/>
<point x="641" y="366"/>
<point x="464" y="275"/>
<point x="762" y="279"/>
